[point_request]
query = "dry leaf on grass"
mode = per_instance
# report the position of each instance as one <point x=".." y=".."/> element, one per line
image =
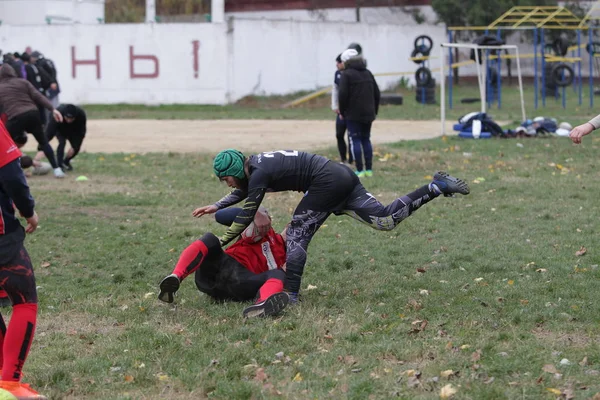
<point x="129" y="378"/>
<point x="448" y="391"/>
<point x="260" y="376"/>
<point x="45" y="264"/>
<point x="581" y="251"/>
<point x="551" y="369"/>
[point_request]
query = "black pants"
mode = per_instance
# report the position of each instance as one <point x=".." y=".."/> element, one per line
<point x="30" y="122"/>
<point x="340" y="135"/>
<point x="16" y="271"/>
<point x="224" y="278"/>
<point x="339" y="191"/>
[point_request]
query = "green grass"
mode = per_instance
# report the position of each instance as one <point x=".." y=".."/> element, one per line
<point x="319" y="108"/>
<point x="506" y="293"/>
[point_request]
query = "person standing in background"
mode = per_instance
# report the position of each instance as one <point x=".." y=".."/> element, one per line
<point x="340" y="123"/>
<point x="359" y="98"/>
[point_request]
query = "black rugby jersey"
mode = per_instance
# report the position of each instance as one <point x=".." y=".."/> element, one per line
<point x="275" y="171"/>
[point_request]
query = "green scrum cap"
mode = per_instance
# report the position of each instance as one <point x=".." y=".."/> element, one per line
<point x="229" y="162"/>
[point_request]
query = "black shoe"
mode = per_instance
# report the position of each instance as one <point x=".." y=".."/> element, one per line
<point x="273" y="305"/>
<point x="168" y="287"/>
<point x="67" y="166"/>
<point x="448" y="185"/>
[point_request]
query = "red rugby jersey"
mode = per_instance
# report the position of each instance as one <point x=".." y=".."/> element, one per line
<point x="261" y="256"/>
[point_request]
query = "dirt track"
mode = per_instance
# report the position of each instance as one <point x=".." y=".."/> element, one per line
<point x="141" y="136"/>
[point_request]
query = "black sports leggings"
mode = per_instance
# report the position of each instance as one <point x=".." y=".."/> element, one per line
<point x="224" y="278"/>
<point x="16" y="271"/>
<point x="30" y="122"/>
<point x="339" y="191"/>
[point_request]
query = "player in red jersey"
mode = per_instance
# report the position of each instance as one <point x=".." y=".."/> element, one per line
<point x="251" y="268"/>
<point x="16" y="270"/>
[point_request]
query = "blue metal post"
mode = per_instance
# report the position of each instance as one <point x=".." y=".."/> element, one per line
<point x="543" y="47"/>
<point x="579" y="78"/>
<point x="535" y="67"/>
<point x="488" y="86"/>
<point x="499" y="71"/>
<point x="592" y="55"/>
<point x="450" y="71"/>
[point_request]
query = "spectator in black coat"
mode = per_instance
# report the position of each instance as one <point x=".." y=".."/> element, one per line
<point x="358" y="96"/>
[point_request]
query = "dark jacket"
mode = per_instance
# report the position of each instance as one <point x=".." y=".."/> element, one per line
<point x="34" y="77"/>
<point x="74" y="129"/>
<point x="358" y="92"/>
<point x="14" y="191"/>
<point x="47" y="65"/>
<point x="18" y="96"/>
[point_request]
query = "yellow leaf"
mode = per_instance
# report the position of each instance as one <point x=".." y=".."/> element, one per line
<point x="100" y="158"/>
<point x="447" y="392"/>
<point x="464" y="347"/>
<point x="446" y="373"/>
<point x="410" y="372"/>
<point x="511" y="282"/>
<point x="297" y="378"/>
<point x="554" y="391"/>
<point x="559" y="166"/>
<point x="148" y="295"/>
<point x="428" y="177"/>
<point x="128" y="378"/>
<point x="162" y="377"/>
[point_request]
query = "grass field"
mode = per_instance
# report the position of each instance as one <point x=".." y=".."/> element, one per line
<point x="270" y="108"/>
<point x="485" y="292"/>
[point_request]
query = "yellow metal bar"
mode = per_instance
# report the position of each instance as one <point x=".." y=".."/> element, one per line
<point x="501" y="18"/>
<point x="308" y="97"/>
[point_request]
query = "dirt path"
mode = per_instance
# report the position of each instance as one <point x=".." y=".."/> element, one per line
<point x="141" y="136"/>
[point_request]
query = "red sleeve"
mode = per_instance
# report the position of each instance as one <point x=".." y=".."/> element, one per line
<point x="8" y="149"/>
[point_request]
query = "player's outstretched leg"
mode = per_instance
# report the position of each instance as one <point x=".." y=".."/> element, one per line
<point x="168" y="287"/>
<point x="446" y="184"/>
<point x="272" y="305"/>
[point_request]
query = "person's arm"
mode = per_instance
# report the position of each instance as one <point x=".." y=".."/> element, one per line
<point x="343" y="92"/>
<point x="335" y="106"/>
<point x="580" y="131"/>
<point x="232" y="198"/>
<point x="246" y="216"/>
<point x="15" y="185"/>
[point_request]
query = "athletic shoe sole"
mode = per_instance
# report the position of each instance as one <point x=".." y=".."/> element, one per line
<point x="455" y="185"/>
<point x="273" y="305"/>
<point x="168" y="287"/>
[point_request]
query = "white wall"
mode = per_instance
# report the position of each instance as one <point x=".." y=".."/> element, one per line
<point x="234" y="59"/>
<point x="37" y="12"/>
<point x="277" y="57"/>
<point x="369" y="15"/>
<point x="253" y="57"/>
<point x="171" y="48"/>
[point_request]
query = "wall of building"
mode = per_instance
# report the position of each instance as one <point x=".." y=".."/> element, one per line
<point x="38" y="12"/>
<point x="218" y="63"/>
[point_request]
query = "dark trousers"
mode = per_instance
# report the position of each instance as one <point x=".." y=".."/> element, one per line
<point x="359" y="134"/>
<point x="340" y="135"/>
<point x="30" y="122"/>
<point x="339" y="191"/>
<point x="224" y="278"/>
<point x="16" y="270"/>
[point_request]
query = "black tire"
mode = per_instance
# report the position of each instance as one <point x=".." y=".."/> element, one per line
<point x="593" y="48"/>
<point x="561" y="46"/>
<point x="391" y="98"/>
<point x="562" y="75"/>
<point x="429" y="91"/>
<point x="423" y="76"/>
<point x="417" y="53"/>
<point x="421" y="47"/>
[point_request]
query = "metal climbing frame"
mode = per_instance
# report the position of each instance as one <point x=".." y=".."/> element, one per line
<point x="536" y="18"/>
